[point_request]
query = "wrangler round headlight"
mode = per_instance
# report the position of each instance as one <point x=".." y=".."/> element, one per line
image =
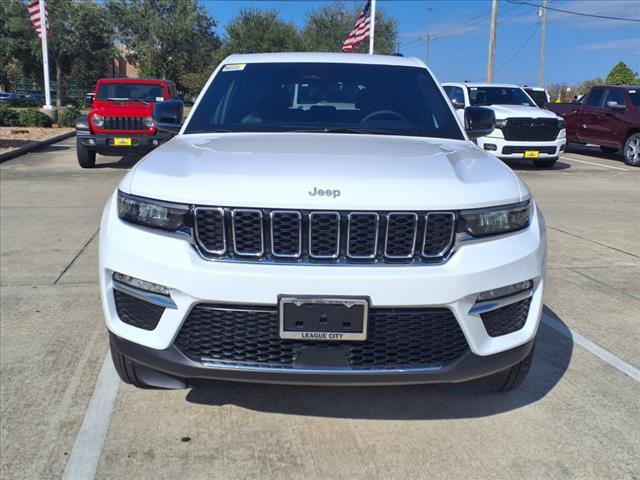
<point x="496" y="220"/>
<point x="97" y="120"/>
<point x="147" y="122"/>
<point x="153" y="213"/>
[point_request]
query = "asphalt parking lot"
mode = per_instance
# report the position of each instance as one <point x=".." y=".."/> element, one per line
<point x="64" y="414"/>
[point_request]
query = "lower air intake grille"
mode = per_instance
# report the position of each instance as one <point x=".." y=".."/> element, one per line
<point x="248" y="335"/>
<point x="504" y="320"/>
<point x="136" y="312"/>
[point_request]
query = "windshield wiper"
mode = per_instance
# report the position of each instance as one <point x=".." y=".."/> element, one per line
<point x="342" y="130"/>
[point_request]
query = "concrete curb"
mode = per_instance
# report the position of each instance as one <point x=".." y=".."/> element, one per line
<point x="33" y="145"/>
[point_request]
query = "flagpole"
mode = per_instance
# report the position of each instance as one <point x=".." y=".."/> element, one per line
<point x="373" y="26"/>
<point x="45" y="56"/>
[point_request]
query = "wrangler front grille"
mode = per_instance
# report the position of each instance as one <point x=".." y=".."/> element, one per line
<point x="531" y="129"/>
<point x="123" y="123"/>
<point x="324" y="236"/>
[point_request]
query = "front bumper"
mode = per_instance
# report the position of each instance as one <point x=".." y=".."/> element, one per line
<point x="476" y="266"/>
<point x="509" y="149"/>
<point x="173" y="363"/>
<point x="103" y="143"/>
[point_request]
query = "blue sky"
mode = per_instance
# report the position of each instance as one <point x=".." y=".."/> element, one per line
<point x="577" y="48"/>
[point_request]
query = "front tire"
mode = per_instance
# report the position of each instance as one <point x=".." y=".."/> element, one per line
<point x="126" y="369"/>
<point x="632" y="150"/>
<point x="511" y="378"/>
<point x="546" y="163"/>
<point x="86" y="157"/>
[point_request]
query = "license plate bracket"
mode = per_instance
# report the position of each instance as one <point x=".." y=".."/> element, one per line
<point x="323" y="318"/>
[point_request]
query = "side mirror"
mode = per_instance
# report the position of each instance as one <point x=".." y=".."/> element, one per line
<point x="88" y="101"/>
<point x="457" y="105"/>
<point x="615" y="106"/>
<point x="167" y="116"/>
<point x="479" y="121"/>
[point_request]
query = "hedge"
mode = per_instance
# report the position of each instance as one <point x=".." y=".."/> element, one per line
<point x="67" y="117"/>
<point x="23" y="118"/>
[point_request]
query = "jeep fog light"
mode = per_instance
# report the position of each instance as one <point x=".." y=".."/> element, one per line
<point x="505" y="291"/>
<point x="141" y="284"/>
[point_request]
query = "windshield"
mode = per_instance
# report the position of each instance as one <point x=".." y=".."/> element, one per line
<point x="499" y="96"/>
<point x="539" y="96"/>
<point x="324" y="97"/>
<point x="130" y="91"/>
<point x="635" y="97"/>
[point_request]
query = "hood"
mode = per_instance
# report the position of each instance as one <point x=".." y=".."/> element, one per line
<point x="124" y="109"/>
<point x="508" y="111"/>
<point x="284" y="170"/>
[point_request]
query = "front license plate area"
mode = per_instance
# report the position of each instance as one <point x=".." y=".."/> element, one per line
<point x="323" y="319"/>
<point x="531" y="154"/>
<point x="122" y="142"/>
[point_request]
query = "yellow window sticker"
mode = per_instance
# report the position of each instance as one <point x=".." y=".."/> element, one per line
<point x="233" y="67"/>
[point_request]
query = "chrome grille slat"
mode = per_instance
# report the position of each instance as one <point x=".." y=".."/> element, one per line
<point x="439" y="232"/>
<point x="286" y="233"/>
<point x="280" y="235"/>
<point x="248" y="232"/>
<point x="402" y="230"/>
<point x="324" y="235"/>
<point x="362" y="235"/>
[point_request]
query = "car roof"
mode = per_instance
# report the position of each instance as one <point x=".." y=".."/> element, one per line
<point x="480" y="84"/>
<point x="133" y="80"/>
<point x="320" y="57"/>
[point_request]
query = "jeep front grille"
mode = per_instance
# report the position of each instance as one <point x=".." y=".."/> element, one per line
<point x="324" y="236"/>
<point x="123" y="123"/>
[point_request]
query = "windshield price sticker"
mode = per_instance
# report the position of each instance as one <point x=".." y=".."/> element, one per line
<point x="233" y="67"/>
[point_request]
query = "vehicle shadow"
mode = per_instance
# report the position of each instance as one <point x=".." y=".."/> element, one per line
<point x="527" y="165"/>
<point x="419" y="402"/>
<point x="594" y="152"/>
<point x="123" y="163"/>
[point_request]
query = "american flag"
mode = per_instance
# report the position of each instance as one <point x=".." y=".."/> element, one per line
<point x="361" y="30"/>
<point x="36" y="16"/>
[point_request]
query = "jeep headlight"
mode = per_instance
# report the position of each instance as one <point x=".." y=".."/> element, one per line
<point x="97" y="120"/>
<point x="496" y="220"/>
<point x="153" y="213"/>
<point x="147" y="122"/>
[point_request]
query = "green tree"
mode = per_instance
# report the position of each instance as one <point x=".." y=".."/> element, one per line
<point x="621" y="74"/>
<point x="172" y="39"/>
<point x="259" y="31"/>
<point x="586" y="86"/>
<point x="19" y="46"/>
<point x="327" y="27"/>
<point x="80" y="44"/>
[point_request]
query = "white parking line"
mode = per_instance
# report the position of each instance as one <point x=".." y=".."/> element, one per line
<point x="87" y="448"/>
<point x="597" y="350"/>
<point x="597" y="164"/>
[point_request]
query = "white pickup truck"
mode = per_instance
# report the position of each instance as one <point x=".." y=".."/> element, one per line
<point x="522" y="129"/>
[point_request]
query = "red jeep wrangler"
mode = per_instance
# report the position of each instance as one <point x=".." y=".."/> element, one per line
<point x="120" y="121"/>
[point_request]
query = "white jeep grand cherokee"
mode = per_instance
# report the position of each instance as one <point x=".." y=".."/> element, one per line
<point x="322" y="219"/>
